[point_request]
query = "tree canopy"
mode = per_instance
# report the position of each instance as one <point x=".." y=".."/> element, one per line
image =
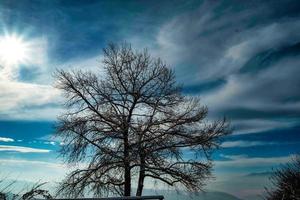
<point x="132" y="122"/>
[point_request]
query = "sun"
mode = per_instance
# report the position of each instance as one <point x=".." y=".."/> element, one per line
<point x="13" y="50"/>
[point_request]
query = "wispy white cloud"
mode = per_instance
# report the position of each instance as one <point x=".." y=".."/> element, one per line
<point x="242" y="143"/>
<point x="93" y="63"/>
<point x="22" y="149"/>
<point x="214" y="47"/>
<point x="236" y="161"/>
<point x="244" y="187"/>
<point x="261" y="102"/>
<point x="204" y="47"/>
<point x="20" y="100"/>
<point x="37" y="170"/>
<point x="236" y="174"/>
<point x="50" y="142"/>
<point x="5" y="139"/>
<point x="246" y="126"/>
<point x="248" y="91"/>
<point x="31" y="162"/>
<point x="17" y="94"/>
<point x="33" y="170"/>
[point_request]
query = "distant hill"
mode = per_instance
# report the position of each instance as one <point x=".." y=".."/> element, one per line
<point x="267" y="174"/>
<point x="210" y="195"/>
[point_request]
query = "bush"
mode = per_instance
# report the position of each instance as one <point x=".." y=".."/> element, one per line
<point x="286" y="182"/>
<point x="34" y="192"/>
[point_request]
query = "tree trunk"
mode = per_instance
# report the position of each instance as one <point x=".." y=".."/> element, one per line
<point x="140" y="187"/>
<point x="127" y="175"/>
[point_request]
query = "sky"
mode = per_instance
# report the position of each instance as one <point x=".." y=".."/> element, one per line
<point x="240" y="57"/>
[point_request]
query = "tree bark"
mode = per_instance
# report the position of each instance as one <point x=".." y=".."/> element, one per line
<point x="127" y="174"/>
<point x="140" y="187"/>
<point x="127" y="188"/>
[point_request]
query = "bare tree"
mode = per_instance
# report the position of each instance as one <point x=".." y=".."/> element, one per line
<point x="286" y="182"/>
<point x="133" y="121"/>
<point x="35" y="192"/>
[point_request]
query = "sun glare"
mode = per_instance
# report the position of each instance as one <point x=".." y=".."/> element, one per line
<point x="13" y="50"/>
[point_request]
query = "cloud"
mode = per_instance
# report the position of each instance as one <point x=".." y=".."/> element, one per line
<point x="38" y="170"/>
<point x="31" y="162"/>
<point x="241" y="143"/>
<point x="22" y="149"/>
<point x="50" y="142"/>
<point x="255" y="64"/>
<point x="4" y="139"/>
<point x="33" y="170"/>
<point x="17" y="97"/>
<point x="242" y="186"/>
<point x="31" y="59"/>
<point x="263" y="101"/>
<point x="35" y="97"/>
<point x="205" y="44"/>
<point x="254" y="91"/>
<point x="93" y="63"/>
<point x="242" y="161"/>
<point x="18" y="94"/>
<point x="245" y="176"/>
<point x="259" y="125"/>
<point x="213" y="42"/>
<point x="36" y="93"/>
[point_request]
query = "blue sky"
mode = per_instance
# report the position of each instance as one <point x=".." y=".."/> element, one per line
<point x="241" y="57"/>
